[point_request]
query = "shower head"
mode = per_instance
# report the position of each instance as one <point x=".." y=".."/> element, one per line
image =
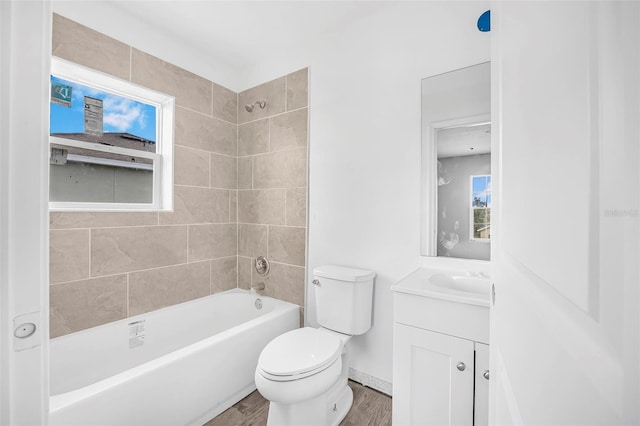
<point x="261" y="104"/>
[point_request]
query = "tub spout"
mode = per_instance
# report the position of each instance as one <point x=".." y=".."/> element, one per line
<point x="257" y="288"/>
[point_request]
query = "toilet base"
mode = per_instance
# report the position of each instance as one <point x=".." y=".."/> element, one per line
<point x="328" y="409"/>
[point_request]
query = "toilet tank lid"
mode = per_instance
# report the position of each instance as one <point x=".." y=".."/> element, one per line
<point x="343" y="273"/>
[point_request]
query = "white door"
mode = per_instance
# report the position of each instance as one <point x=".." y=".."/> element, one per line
<point x="565" y="324"/>
<point x="25" y="45"/>
<point x="433" y="378"/>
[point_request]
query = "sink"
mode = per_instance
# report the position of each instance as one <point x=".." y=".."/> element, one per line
<point x="464" y="283"/>
<point x="456" y="285"/>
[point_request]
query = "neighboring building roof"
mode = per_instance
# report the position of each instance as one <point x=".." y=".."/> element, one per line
<point x="122" y="140"/>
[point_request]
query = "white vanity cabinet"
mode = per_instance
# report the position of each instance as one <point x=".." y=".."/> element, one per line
<point x="440" y="356"/>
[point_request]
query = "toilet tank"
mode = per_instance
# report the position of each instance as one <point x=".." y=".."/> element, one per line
<point x="344" y="297"/>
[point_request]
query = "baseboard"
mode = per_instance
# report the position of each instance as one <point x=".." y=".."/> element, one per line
<point x="371" y="381"/>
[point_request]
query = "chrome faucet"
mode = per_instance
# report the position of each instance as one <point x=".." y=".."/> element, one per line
<point x="257" y="288"/>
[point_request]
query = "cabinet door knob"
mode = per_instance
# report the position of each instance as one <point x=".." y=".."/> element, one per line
<point x="486" y="374"/>
<point x="461" y="366"/>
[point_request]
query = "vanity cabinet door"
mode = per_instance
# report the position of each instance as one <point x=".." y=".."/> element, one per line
<point x="481" y="408"/>
<point x="433" y="377"/>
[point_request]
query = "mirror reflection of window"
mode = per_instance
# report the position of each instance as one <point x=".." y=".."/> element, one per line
<point x="481" y="208"/>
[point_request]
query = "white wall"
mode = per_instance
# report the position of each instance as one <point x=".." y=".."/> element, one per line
<point x="364" y="169"/>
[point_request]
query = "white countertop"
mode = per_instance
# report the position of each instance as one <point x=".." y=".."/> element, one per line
<point x="420" y="283"/>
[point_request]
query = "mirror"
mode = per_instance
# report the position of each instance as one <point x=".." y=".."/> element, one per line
<point x="456" y="163"/>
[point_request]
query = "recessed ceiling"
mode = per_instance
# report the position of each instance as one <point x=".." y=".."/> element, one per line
<point x="464" y="140"/>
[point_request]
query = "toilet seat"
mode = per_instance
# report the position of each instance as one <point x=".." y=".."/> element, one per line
<point x="299" y="353"/>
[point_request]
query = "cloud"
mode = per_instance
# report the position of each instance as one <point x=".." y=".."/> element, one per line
<point x="122" y="114"/>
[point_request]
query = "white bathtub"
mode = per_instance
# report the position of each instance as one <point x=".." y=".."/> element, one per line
<point x="180" y="365"/>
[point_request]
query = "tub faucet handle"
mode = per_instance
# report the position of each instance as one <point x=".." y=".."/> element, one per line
<point x="262" y="265"/>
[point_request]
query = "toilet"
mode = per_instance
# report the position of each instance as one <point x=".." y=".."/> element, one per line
<point x="304" y="372"/>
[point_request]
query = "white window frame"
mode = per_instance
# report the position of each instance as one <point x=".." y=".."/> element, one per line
<point x="162" y="158"/>
<point x="472" y="209"/>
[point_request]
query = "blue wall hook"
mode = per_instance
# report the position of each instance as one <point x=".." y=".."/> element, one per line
<point x="484" y="22"/>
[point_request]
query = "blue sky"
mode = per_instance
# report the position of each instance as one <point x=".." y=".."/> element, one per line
<point x="119" y="114"/>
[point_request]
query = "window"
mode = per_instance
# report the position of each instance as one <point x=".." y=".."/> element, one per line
<point x="481" y="208"/>
<point x="111" y="143"/>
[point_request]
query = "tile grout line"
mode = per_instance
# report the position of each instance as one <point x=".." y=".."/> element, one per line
<point x="295" y="148"/>
<point x="272" y="115"/>
<point x="205" y="114"/>
<point x="279" y="263"/>
<point x="204" y="187"/>
<point x="204" y="150"/>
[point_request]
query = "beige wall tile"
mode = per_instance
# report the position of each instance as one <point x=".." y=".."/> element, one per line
<point x="212" y="241"/>
<point x="245" y="173"/>
<point x="197" y="205"/>
<point x="287" y="245"/>
<point x="297" y="89"/>
<point x="224" y="274"/>
<point x="202" y="132"/>
<point x="225" y="103"/>
<point x="68" y="255"/>
<point x="190" y="90"/>
<point x="156" y="288"/>
<point x="233" y="206"/>
<point x="83" y="304"/>
<point x="296" y="207"/>
<point x="288" y="130"/>
<point x="117" y="250"/>
<point x="284" y="169"/>
<point x="274" y="92"/>
<point x="224" y="172"/>
<point x="252" y="240"/>
<point x="245" y="265"/>
<point x="67" y="220"/>
<point x="266" y="206"/>
<point x="191" y="167"/>
<point x="253" y="138"/>
<point x="284" y="282"/>
<point x="84" y="46"/>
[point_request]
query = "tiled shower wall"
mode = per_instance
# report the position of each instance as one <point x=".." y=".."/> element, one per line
<point x="108" y="266"/>
<point x="272" y="185"/>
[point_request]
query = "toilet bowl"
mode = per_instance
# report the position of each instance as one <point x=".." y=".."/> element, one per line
<point x="304" y="375"/>
<point x="299" y="365"/>
<point x="304" y="372"/>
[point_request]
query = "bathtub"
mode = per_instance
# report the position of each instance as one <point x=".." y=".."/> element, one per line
<point x="180" y="365"/>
